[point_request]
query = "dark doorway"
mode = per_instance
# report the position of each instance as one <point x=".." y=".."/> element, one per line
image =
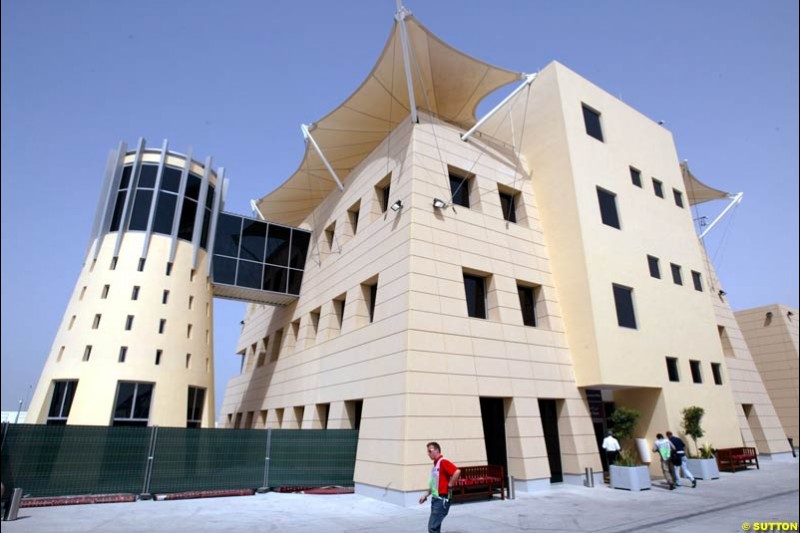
<point x="493" y="413"/>
<point x="549" y="413"/>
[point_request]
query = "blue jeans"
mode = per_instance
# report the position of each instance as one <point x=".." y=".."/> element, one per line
<point x="439" y="509"/>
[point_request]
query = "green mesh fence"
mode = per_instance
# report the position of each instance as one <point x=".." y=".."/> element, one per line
<point x="72" y="460"/>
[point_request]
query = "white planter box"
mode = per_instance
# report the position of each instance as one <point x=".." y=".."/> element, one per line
<point x="633" y="478"/>
<point x="703" y="468"/>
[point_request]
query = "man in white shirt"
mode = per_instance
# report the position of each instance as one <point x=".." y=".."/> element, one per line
<point x="611" y="446"/>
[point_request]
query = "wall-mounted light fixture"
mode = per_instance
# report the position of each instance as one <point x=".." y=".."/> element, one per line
<point x="722" y="293"/>
<point x="439" y="204"/>
<point x="789" y="314"/>
<point x="769" y="314"/>
<point x="397" y="206"/>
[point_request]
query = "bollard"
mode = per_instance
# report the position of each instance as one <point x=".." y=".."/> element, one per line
<point x="589" y="481"/>
<point x="13" y="507"/>
<point x="511" y="489"/>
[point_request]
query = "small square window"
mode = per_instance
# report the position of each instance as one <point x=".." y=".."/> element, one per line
<point x="623" y="300"/>
<point x="697" y="375"/>
<point x="591" y="120"/>
<point x="655" y="269"/>
<point x="658" y="188"/>
<point x="475" y="291"/>
<point x="677" y="278"/>
<point x="608" y="208"/>
<point x="508" y="204"/>
<point x="459" y="189"/>
<point x="672" y="369"/>
<point x="697" y="280"/>
<point x="678" y="195"/>
<point x="636" y="177"/>
<point x="716" y="371"/>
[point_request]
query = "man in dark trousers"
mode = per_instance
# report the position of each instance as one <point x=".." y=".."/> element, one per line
<point x="444" y="476"/>
<point x="680" y="451"/>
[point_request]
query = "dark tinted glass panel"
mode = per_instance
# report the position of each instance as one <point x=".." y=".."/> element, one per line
<point x="475" y="290"/>
<point x="676" y="274"/>
<point x="697" y="376"/>
<point x="672" y="369"/>
<point x="698" y="284"/>
<point x="459" y="189"/>
<point x="254" y="239"/>
<point x="278" y="245"/>
<point x="141" y="210"/>
<point x="190" y="404"/>
<point x="116" y="218"/>
<point x="129" y="423"/>
<point x="636" y="177"/>
<point x="678" y="197"/>
<point x="299" y="251"/>
<point x="56" y="421"/>
<point x="165" y="213"/>
<point x="658" y="188"/>
<point x="126" y="177"/>
<point x="171" y="180"/>
<point x="224" y="270"/>
<point x="275" y="279"/>
<point x="206" y="224"/>
<point x="608" y="208"/>
<point x="295" y="281"/>
<point x="655" y="271"/>
<point x="186" y="225"/>
<point x="527" y="305"/>
<point x="59" y="389"/>
<point x="143" y="396"/>
<point x="70" y="395"/>
<point x="623" y="298"/>
<point x="210" y="197"/>
<point x="249" y="274"/>
<point x="591" y="119"/>
<point x="228" y="235"/>
<point x="124" y="405"/>
<point x="509" y="208"/>
<point x="193" y="186"/>
<point x="147" y="177"/>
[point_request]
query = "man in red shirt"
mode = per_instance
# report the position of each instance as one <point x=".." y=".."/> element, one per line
<point x="444" y="475"/>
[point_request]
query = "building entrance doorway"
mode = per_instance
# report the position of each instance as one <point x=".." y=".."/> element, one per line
<point x="493" y="415"/>
<point x="548" y="409"/>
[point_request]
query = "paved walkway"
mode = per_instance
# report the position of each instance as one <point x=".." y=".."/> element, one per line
<point x="766" y="495"/>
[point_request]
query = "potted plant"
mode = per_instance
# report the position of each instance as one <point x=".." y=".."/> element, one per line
<point x="626" y="472"/>
<point x="703" y="465"/>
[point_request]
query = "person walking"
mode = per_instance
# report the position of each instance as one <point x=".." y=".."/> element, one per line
<point x="665" y="449"/>
<point x="612" y="448"/>
<point x="444" y="475"/>
<point x="679" y="462"/>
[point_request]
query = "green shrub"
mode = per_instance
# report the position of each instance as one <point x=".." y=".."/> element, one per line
<point x="692" y="416"/>
<point x="623" y="422"/>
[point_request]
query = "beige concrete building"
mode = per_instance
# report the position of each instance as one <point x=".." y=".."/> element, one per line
<point x="528" y="278"/>
<point x="770" y="332"/>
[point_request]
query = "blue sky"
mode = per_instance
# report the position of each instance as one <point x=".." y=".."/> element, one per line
<point x="234" y="80"/>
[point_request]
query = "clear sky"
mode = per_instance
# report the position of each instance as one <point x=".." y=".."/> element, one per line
<point x="234" y="80"/>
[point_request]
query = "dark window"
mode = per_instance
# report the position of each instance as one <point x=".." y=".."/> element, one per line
<point x="113" y="265"/>
<point x="591" y="119"/>
<point x="186" y="224"/>
<point x="123" y="353"/>
<point x="129" y="323"/>
<point x="608" y="207"/>
<point x="135" y="293"/>
<point x="169" y="269"/>
<point x="697" y="376"/>
<point x="193" y="186"/>
<point x="314" y="316"/>
<point x="297" y="256"/>
<point x="165" y="213"/>
<point x="383" y="194"/>
<point x="162" y="324"/>
<point x="171" y="179"/>
<point x="353" y="213"/>
<point x="655" y="269"/>
<point x="96" y="323"/>
<point x="658" y="188"/>
<point x="459" y="189"/>
<point x="61" y="403"/>
<point x="672" y="369"/>
<point x="330" y="233"/>
<point x="224" y="270"/>
<point x="475" y="290"/>
<point x="527" y="303"/>
<point x="338" y="308"/>
<point x="140" y="267"/>
<point x="229" y="229"/>
<point x="508" y="206"/>
<point x="295" y="281"/>
<point x="676" y="274"/>
<point x="125" y="180"/>
<point x="165" y="296"/>
<point x="716" y="371"/>
<point x="194" y="407"/>
<point x="159" y="353"/>
<point x="697" y="280"/>
<point x="623" y="298"/>
<point x="278" y="245"/>
<point x="116" y="218"/>
<point x="104" y="294"/>
<point x="254" y="240"/>
<point x="147" y="177"/>
<point x="373" y="295"/>
<point x="87" y="352"/>
<point x="274" y="279"/>
<point x="249" y="274"/>
<point x="678" y="197"/>
<point x="636" y="177"/>
<point x="141" y="210"/>
<point x="132" y="407"/>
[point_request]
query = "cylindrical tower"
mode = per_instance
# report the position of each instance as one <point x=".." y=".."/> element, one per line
<point x="135" y="346"/>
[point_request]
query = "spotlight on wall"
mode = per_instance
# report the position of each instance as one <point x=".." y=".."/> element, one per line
<point x="769" y="314"/>
<point x="397" y="206"/>
<point x="439" y="204"/>
<point x="722" y="293"/>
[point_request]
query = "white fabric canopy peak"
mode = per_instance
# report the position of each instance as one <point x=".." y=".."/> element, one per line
<point x="452" y="84"/>
<point x="697" y="191"/>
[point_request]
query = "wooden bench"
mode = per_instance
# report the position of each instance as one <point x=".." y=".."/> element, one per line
<point x="480" y="481"/>
<point x="732" y="459"/>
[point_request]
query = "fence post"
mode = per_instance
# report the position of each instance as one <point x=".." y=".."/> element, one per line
<point x="265" y="486"/>
<point x="148" y="471"/>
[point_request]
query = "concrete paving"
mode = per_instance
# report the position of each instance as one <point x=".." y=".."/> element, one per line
<point x="754" y="497"/>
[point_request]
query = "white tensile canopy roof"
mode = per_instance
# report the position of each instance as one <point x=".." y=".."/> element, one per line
<point x="697" y="191"/>
<point x="453" y="84"/>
